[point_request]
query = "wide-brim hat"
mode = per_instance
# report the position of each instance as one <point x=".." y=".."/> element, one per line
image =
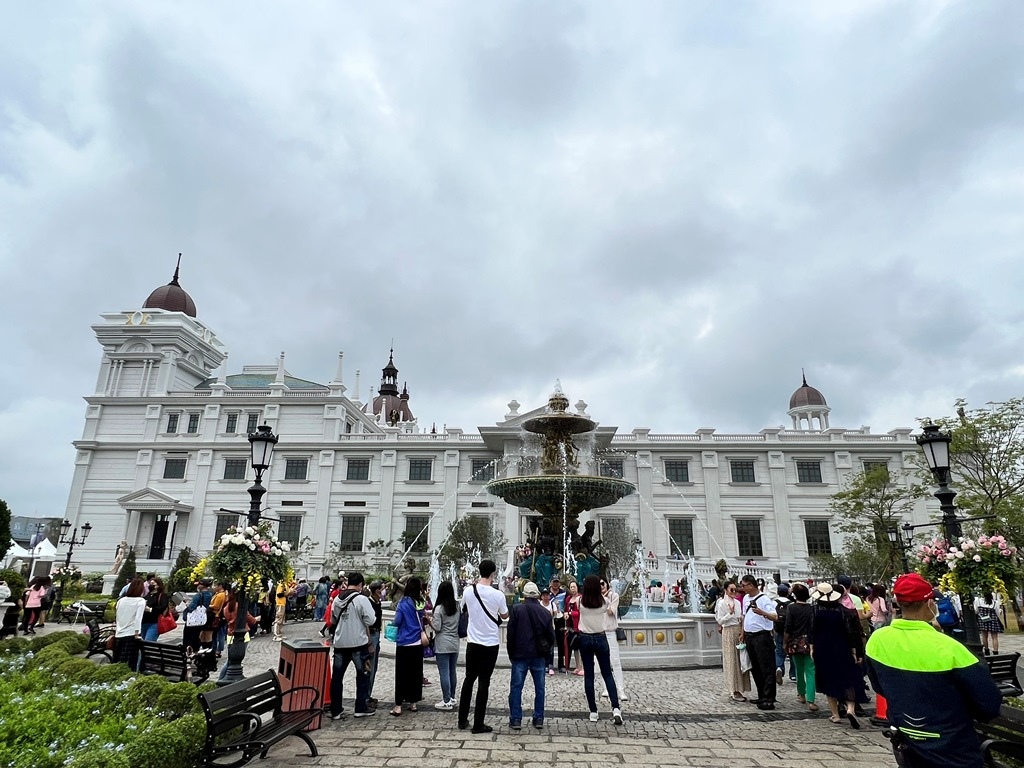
<point x="530" y="590"/>
<point x="826" y="593"/>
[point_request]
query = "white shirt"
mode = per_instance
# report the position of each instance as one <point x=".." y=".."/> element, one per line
<point x="482" y="630"/>
<point x="753" y="622"/>
<point x="129" y="612"/>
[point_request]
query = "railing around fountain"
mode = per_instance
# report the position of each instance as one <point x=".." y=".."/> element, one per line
<point x="677" y="569"/>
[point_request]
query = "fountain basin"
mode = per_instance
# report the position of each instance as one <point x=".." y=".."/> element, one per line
<point x="547" y="493"/>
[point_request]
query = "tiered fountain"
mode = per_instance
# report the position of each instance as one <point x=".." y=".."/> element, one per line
<point x="560" y="494"/>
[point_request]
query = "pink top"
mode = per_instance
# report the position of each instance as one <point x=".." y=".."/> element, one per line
<point x="34" y="598"/>
<point x="879" y="610"/>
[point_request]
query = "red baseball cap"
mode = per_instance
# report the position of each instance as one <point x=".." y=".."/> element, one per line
<point x="912" y="588"/>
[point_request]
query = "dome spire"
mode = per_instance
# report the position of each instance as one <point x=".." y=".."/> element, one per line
<point x="172" y="297"/>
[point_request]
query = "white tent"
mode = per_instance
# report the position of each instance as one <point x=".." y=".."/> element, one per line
<point x="43" y="552"/>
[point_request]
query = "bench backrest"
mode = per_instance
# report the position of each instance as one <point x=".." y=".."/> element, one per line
<point x="163" y="659"/>
<point x="260" y="695"/>
<point x="93" y="626"/>
<point x="1003" y="669"/>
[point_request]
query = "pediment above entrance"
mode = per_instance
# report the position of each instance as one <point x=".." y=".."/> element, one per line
<point x="151" y="498"/>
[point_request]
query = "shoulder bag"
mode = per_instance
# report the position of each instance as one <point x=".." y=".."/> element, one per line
<point x="464" y="622"/>
<point x="479" y="600"/>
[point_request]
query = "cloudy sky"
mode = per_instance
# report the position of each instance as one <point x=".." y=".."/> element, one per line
<point x="672" y="207"/>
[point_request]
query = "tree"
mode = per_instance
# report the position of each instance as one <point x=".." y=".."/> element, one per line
<point x="5" y="528"/>
<point x="869" y="504"/>
<point x="467" y="533"/>
<point x="126" y="574"/>
<point x="987" y="461"/>
<point x="181" y="574"/>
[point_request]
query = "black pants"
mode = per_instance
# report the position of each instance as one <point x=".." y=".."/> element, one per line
<point x="480" y="661"/>
<point x="761" y="647"/>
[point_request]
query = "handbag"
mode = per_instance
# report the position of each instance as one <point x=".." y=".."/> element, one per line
<point x="464" y="622"/>
<point x="196" y="617"/>
<point x="620" y="634"/>
<point x="109" y="645"/>
<point x="165" y="623"/>
<point x="428" y="649"/>
<point x="799" y="644"/>
<point x="745" y="664"/>
<point x="424" y="637"/>
<point x="391" y="632"/>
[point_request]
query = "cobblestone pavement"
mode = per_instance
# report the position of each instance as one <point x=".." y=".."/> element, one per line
<point x="672" y="718"/>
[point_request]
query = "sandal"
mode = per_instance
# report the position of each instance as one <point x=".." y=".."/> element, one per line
<point x="812" y="707"/>
<point x="836" y="720"/>
<point x="854" y="722"/>
<point x="413" y="708"/>
<point x="738" y="697"/>
<point x="396" y="712"/>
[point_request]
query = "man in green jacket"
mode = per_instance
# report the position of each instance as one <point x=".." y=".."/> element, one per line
<point x="935" y="688"/>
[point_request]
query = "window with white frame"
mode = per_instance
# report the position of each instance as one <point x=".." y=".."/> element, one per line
<point x="680" y="531"/>
<point x="677" y="470"/>
<point x="414" y="525"/>
<point x="808" y="471"/>
<point x="174" y="467"/>
<point x="352" y="528"/>
<point x="420" y="469"/>
<point x="193" y="423"/>
<point x="290" y="529"/>
<point x="611" y="467"/>
<point x="819" y="542"/>
<point x="357" y="469"/>
<point x="748" y="538"/>
<point x="483" y="470"/>
<point x="252" y="421"/>
<point x="172" y="423"/>
<point x="295" y="469"/>
<point x="234" y="469"/>
<point x="742" y="471"/>
<point x="231" y="427"/>
<point x="223" y="523"/>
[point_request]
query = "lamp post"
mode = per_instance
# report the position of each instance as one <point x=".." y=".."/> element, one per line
<point x="896" y="540"/>
<point x="72" y="541"/>
<point x="935" y="445"/>
<point x="261" y="446"/>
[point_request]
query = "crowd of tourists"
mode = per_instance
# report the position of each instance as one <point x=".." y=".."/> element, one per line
<point x="551" y="630"/>
<point x="838" y="637"/>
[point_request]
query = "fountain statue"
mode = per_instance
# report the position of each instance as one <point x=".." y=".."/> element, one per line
<point x="560" y="493"/>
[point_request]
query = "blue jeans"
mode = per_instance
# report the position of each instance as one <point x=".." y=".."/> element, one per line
<point x="375" y="642"/>
<point x="342" y="657"/>
<point x="220" y="637"/>
<point x="447" y="663"/>
<point x="780" y="658"/>
<point x="591" y="646"/>
<point x="537" y="668"/>
<point x="150" y="633"/>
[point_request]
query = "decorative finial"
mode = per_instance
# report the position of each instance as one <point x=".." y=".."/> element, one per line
<point x="803" y="376"/>
<point x="174" y="280"/>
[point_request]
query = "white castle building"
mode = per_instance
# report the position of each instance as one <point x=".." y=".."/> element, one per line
<point x="164" y="458"/>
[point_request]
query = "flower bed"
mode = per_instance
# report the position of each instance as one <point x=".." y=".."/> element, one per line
<point x="60" y="709"/>
<point x="970" y="567"/>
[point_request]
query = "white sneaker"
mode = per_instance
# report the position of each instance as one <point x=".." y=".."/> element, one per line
<point x="623" y="697"/>
<point x="593" y="717"/>
<point x="617" y="716"/>
<point x="446" y="706"/>
<point x="604" y="694"/>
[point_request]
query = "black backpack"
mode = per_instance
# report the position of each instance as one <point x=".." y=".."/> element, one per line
<point x="781" y="606"/>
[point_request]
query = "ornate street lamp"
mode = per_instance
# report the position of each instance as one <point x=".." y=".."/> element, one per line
<point x="72" y="541"/>
<point x="935" y="445"/>
<point x="261" y="445"/>
<point x="897" y="541"/>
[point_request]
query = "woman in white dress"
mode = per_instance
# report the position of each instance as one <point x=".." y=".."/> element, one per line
<point x="729" y="616"/>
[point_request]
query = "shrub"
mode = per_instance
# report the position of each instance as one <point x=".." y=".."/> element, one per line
<point x="14" y="645"/>
<point x="173" y="744"/>
<point x="75" y="642"/>
<point x="15" y="581"/>
<point x="145" y="691"/>
<point x="75" y="671"/>
<point x="126" y="574"/>
<point x="176" y="700"/>
<point x="112" y="673"/>
<point x="101" y="758"/>
<point x="42" y="641"/>
<point x="50" y="657"/>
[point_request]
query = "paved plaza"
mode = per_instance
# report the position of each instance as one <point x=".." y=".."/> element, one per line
<point x="672" y="718"/>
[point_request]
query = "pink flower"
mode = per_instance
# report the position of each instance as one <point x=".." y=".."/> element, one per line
<point x="927" y="559"/>
<point x="977" y="558"/>
<point x="986" y="543"/>
<point x="1004" y="552"/>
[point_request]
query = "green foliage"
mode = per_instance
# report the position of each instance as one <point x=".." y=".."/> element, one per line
<point x="14" y="645"/>
<point x="466" y="531"/>
<point x="58" y="710"/>
<point x="869" y="504"/>
<point x="180" y="580"/>
<point x="15" y="581"/>
<point x="617" y="539"/>
<point x="126" y="574"/>
<point x="250" y="556"/>
<point x="5" y="528"/>
<point x="987" y="457"/>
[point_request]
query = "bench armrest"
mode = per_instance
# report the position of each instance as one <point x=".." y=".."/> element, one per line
<point x="293" y="689"/>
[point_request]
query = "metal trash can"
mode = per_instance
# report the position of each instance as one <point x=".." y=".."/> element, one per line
<point x="304" y="662"/>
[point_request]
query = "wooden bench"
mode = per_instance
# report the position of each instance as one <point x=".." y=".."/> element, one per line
<point x="246" y="719"/>
<point x="1002" y="736"/>
<point x="98" y="637"/>
<point x="1003" y="669"/>
<point x="165" y="659"/>
<point x="83" y="610"/>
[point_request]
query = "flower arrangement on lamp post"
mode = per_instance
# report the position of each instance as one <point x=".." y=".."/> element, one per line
<point x="247" y="557"/>
<point x="971" y="567"/>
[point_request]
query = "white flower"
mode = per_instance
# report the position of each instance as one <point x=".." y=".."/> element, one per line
<point x="250" y="530"/>
<point x="285" y="546"/>
<point x="977" y="558"/>
<point x="959" y="555"/>
<point x="251" y="546"/>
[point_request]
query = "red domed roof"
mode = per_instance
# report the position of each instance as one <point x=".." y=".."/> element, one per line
<point x="806" y="395"/>
<point x="171" y="297"/>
